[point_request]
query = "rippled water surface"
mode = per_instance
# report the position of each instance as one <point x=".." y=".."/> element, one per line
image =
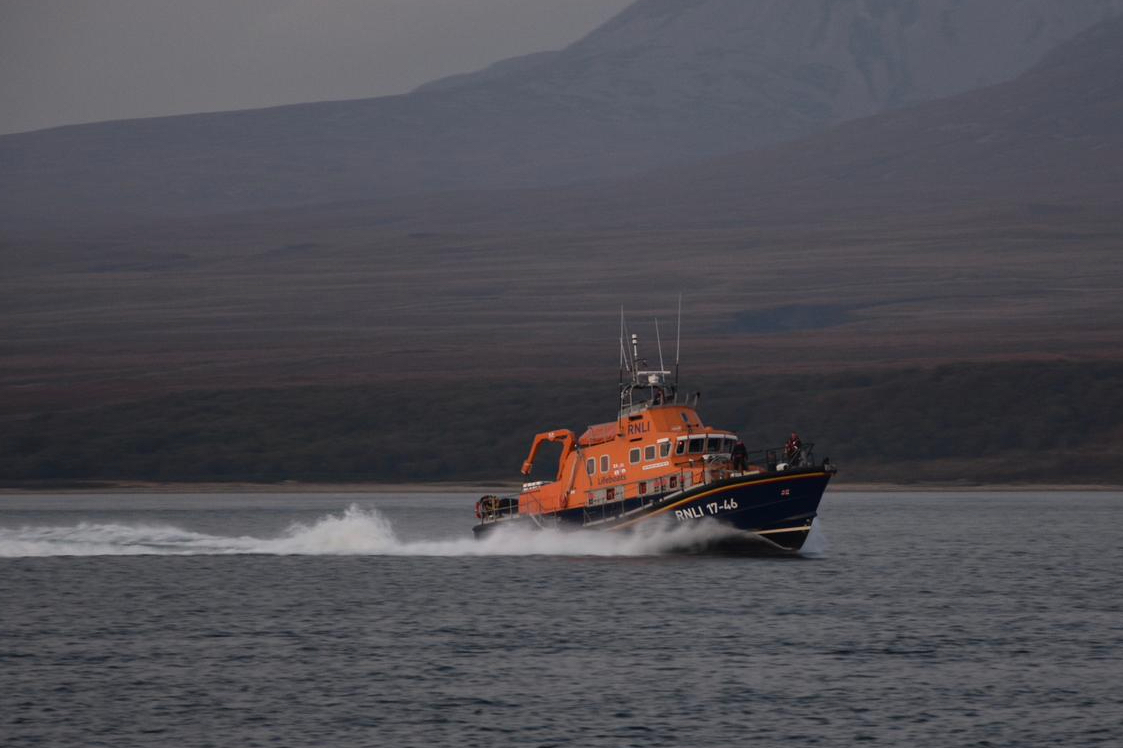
<point x="358" y="620"/>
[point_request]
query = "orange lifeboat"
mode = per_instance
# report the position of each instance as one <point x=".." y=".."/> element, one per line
<point x="658" y="462"/>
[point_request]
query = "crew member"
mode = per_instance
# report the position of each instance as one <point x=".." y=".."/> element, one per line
<point x="740" y="456"/>
<point x="793" y="449"/>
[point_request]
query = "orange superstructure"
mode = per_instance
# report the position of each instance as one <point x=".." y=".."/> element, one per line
<point x="656" y="445"/>
<point x="658" y="448"/>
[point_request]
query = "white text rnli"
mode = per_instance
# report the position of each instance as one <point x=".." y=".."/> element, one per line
<point x="698" y="511"/>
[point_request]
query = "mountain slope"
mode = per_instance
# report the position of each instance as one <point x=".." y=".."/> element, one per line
<point x="1050" y="139"/>
<point x="828" y="60"/>
<point x="1053" y="135"/>
<point x="663" y="82"/>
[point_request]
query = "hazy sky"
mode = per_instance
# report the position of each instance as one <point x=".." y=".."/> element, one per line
<point x="68" y="61"/>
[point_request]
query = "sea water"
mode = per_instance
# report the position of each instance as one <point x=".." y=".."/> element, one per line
<point x="920" y="619"/>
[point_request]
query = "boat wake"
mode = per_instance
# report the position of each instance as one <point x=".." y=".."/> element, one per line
<point x="366" y="532"/>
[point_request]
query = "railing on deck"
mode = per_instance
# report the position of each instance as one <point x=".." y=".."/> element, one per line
<point x="494" y="508"/>
<point x="770" y="459"/>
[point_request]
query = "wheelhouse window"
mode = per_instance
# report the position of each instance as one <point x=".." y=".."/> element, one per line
<point x="680" y="448"/>
<point x="633" y="455"/>
<point x="729" y="444"/>
<point x="590" y="466"/>
<point x="665" y="449"/>
<point x="649" y="452"/>
<point x="604" y="463"/>
<point x="714" y="444"/>
<point x="697" y="444"/>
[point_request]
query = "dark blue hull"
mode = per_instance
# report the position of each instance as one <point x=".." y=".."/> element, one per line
<point x="777" y="506"/>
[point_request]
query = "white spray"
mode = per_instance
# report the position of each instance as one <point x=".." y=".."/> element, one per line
<point x="360" y="532"/>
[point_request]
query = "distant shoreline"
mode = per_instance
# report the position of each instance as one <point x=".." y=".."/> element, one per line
<point x="144" y="487"/>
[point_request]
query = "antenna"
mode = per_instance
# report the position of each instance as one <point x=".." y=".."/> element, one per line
<point x="678" y="338"/>
<point x="623" y="354"/>
<point x="659" y="342"/>
<point x="629" y="359"/>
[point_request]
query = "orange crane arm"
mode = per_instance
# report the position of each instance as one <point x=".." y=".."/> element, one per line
<point x="565" y="436"/>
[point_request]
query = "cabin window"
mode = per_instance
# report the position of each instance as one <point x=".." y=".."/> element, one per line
<point x="697" y="444"/>
<point x="649" y="452"/>
<point x="604" y="463"/>
<point x="685" y="418"/>
<point x="633" y="455"/>
<point x="665" y="449"/>
<point x="590" y="466"/>
<point x="713" y="444"/>
<point x="729" y="444"/>
<point x="680" y="448"/>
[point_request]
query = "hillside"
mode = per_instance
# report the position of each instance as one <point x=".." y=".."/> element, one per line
<point x="1050" y="140"/>
<point x="663" y="82"/>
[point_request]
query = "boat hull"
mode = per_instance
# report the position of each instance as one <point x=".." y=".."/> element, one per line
<point x="777" y="506"/>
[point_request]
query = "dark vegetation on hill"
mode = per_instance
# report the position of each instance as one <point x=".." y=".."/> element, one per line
<point x="1051" y="422"/>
